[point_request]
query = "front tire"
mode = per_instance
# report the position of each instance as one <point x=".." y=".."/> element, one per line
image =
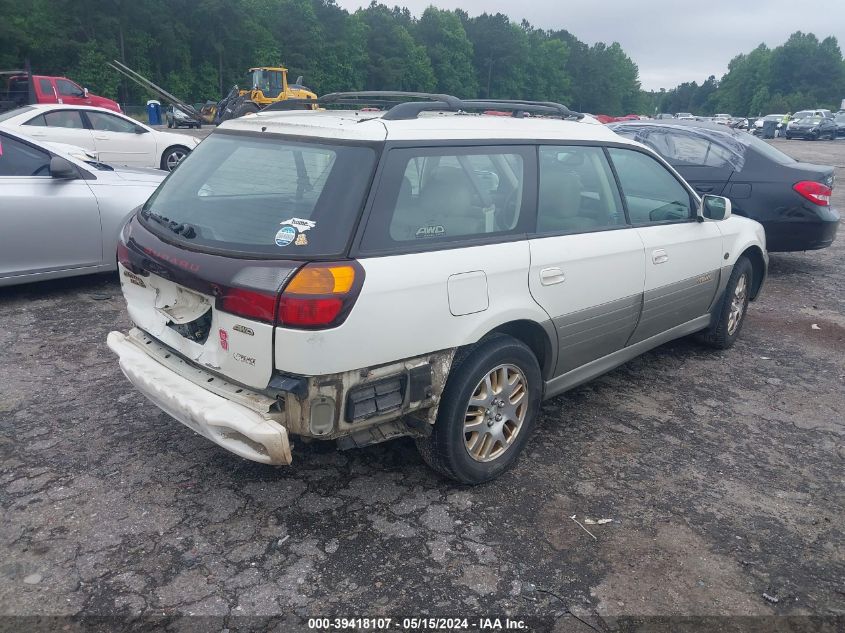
<point x="487" y="412"/>
<point x="172" y="156"/>
<point x="724" y="331"/>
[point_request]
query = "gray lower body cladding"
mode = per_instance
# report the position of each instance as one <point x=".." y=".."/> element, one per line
<point x="675" y="303"/>
<point x="595" y="332"/>
<point x="596" y="340"/>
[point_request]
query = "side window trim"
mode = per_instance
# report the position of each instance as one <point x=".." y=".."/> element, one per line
<point x="693" y="198"/>
<point x="618" y="185"/>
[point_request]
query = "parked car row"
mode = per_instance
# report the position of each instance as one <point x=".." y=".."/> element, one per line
<point x="114" y="137"/>
<point x="61" y="214"/>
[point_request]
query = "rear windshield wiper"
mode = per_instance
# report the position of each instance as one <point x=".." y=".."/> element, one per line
<point x="182" y="229"/>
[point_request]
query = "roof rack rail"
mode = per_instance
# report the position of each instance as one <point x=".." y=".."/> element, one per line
<point x="400" y="108"/>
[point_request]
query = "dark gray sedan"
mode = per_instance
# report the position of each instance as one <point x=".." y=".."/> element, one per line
<point x="790" y="199"/>
<point x="812" y="128"/>
<point x="61" y="216"/>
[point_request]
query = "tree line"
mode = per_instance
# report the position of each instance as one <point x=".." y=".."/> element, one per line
<point x="197" y="49"/>
<point x="804" y="72"/>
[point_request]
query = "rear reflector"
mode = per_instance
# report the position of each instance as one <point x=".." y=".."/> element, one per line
<point x="815" y="192"/>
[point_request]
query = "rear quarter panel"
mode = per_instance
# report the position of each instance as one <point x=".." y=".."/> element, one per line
<point x="403" y="310"/>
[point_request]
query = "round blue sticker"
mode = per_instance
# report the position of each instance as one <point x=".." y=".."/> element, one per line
<point x="285" y="236"/>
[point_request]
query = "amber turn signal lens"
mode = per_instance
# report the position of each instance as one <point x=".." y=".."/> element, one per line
<point x="322" y="280"/>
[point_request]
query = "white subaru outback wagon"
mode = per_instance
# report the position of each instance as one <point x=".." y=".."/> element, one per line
<point x="426" y="270"/>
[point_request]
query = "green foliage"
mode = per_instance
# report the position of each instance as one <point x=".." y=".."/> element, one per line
<point x="450" y="51"/>
<point x="396" y="61"/>
<point x="197" y="49"/>
<point x="801" y="73"/>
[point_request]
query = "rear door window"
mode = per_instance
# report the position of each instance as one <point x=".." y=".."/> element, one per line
<point x="264" y="196"/>
<point x="577" y="191"/>
<point x="46" y="87"/>
<point x="432" y="196"/>
<point x="59" y="118"/>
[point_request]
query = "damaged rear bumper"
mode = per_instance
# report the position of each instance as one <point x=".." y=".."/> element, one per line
<point x="243" y="430"/>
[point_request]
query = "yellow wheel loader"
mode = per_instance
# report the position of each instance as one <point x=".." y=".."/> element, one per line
<point x="262" y="87"/>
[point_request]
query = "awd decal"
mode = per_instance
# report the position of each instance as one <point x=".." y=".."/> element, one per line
<point x="430" y="231"/>
<point x="703" y="279"/>
<point x="243" y="329"/>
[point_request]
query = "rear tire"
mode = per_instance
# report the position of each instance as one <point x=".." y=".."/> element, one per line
<point x="487" y="412"/>
<point x="725" y="329"/>
<point x="172" y="156"/>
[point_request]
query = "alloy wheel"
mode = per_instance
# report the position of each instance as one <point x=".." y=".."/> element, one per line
<point x="496" y="412"/>
<point x="174" y="158"/>
<point x="737" y="304"/>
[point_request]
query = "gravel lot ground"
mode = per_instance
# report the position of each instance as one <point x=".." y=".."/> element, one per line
<point x="722" y="472"/>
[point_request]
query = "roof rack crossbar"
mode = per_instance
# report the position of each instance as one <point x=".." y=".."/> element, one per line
<point x="505" y="104"/>
<point x="400" y="108"/>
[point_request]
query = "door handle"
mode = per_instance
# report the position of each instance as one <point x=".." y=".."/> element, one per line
<point x="102" y="138"/>
<point x="659" y="256"/>
<point x="551" y="276"/>
<point x="704" y="189"/>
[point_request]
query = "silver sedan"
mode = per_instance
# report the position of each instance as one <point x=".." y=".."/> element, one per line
<point x="60" y="216"/>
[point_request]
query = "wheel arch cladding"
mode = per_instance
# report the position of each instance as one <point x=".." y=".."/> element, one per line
<point x="535" y="337"/>
<point x="758" y="266"/>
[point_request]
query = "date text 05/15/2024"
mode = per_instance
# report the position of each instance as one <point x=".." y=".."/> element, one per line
<point x="418" y="624"/>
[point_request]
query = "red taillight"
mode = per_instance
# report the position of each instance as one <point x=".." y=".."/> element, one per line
<point x="317" y="296"/>
<point x="304" y="312"/>
<point x="320" y="295"/>
<point x="250" y="304"/>
<point x="815" y="192"/>
<point x="122" y="254"/>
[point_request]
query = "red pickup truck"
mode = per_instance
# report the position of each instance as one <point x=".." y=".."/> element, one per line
<point x="17" y="91"/>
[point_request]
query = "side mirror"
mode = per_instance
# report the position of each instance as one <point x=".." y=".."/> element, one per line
<point x="62" y="169"/>
<point x="714" y="208"/>
<point x="85" y="92"/>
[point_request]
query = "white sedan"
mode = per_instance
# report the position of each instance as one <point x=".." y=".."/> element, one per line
<point x="115" y="138"/>
<point x="61" y="216"/>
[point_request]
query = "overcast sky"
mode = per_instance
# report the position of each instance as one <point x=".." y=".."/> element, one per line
<point x="671" y="41"/>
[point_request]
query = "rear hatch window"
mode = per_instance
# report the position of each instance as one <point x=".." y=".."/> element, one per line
<point x="263" y="197"/>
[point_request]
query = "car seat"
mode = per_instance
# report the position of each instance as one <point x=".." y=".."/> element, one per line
<point x="560" y="204"/>
<point x="446" y="200"/>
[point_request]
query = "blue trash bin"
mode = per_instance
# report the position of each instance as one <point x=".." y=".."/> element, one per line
<point x="154" y="112"/>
